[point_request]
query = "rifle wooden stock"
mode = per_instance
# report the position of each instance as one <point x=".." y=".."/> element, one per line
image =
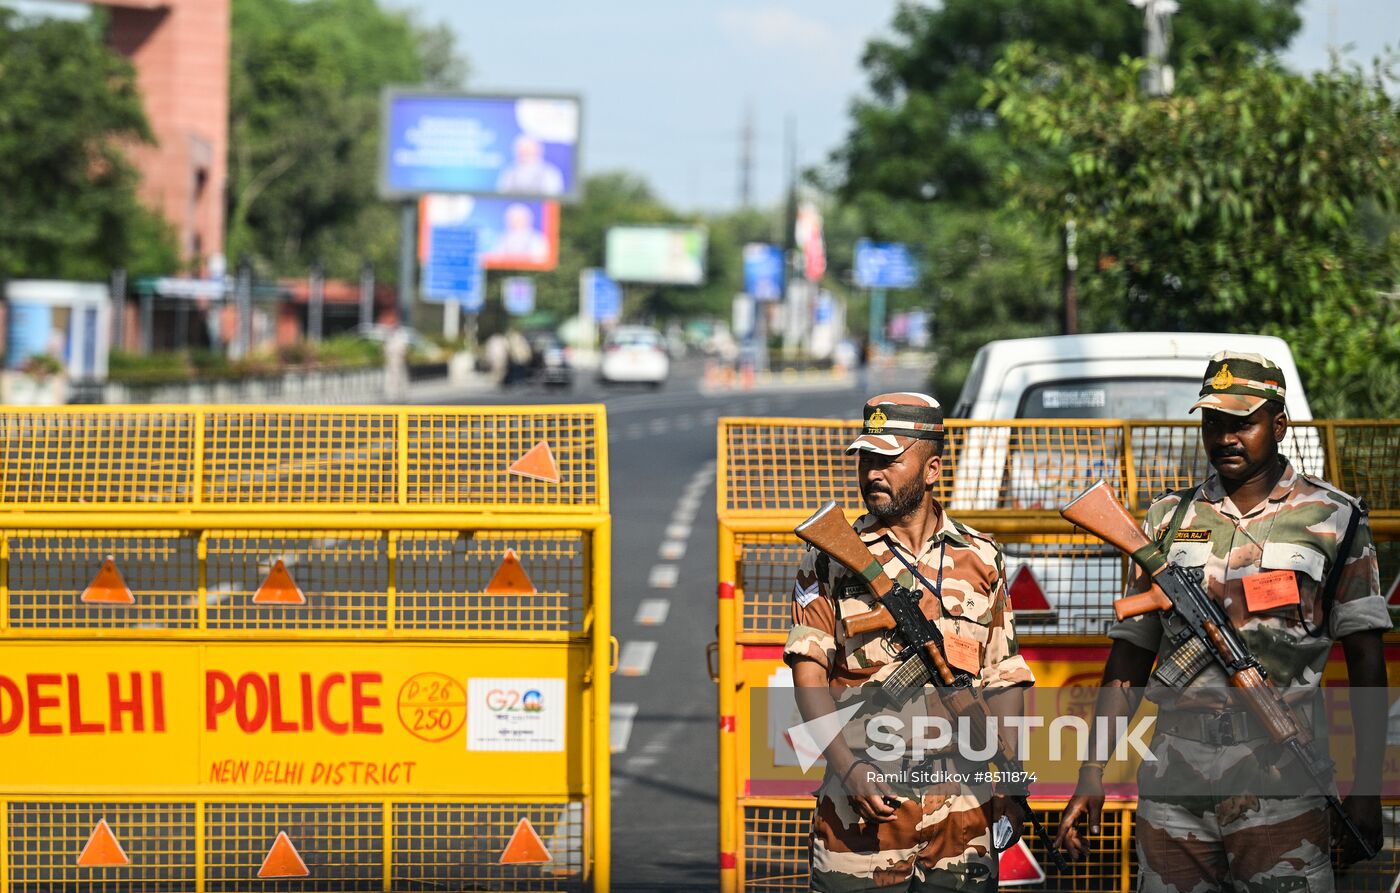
<point x="1272" y="713"/>
<point x="1153" y="599"/>
<point x="869" y="622"/>
<point x="828" y="530"/>
<point x="1098" y="511"/>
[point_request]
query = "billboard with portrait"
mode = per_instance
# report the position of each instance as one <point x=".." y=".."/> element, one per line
<point x="661" y="255"/>
<point x="513" y="234"/>
<point x="521" y="146"/>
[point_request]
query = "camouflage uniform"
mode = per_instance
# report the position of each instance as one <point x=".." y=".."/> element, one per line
<point x="1206" y="816"/>
<point x="940" y="839"/>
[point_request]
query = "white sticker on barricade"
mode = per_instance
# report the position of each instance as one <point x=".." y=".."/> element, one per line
<point x="515" y="715"/>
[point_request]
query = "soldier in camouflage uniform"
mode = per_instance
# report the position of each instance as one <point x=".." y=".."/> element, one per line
<point x="869" y="830"/>
<point x="1220" y="807"/>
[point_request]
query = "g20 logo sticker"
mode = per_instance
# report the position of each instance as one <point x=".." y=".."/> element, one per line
<point x="511" y="700"/>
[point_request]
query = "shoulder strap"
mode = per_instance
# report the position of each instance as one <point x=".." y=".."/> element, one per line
<point x="1164" y="542"/>
<point x="1334" y="576"/>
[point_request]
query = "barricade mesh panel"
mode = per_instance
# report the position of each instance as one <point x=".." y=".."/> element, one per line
<point x="50" y="569"/>
<point x="782" y="465"/>
<point x="465" y="458"/>
<point x="1369" y="456"/>
<point x="97" y="457"/>
<point x="45" y="840"/>
<point x="1079" y="576"/>
<point x="331" y="458"/>
<point x="767" y="565"/>
<point x="455" y="846"/>
<point x="341" y="844"/>
<point x="776" y="850"/>
<point x="344" y="576"/>
<point x="1027" y="467"/>
<point x="443" y="576"/>
<point x="285" y="456"/>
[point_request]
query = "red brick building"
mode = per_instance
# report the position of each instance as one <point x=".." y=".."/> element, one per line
<point x="180" y="49"/>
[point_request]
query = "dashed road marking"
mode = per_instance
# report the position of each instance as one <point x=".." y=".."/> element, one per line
<point x="641" y="762"/>
<point x="673" y="550"/>
<point x="636" y="658"/>
<point x="678" y="531"/>
<point x="653" y="611"/>
<point x="660" y="426"/>
<point x="663" y="576"/>
<point x="620" y="726"/>
<point x="634" y="431"/>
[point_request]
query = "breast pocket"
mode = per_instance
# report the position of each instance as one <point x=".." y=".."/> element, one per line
<point x="1190" y="556"/>
<point x="1309" y="566"/>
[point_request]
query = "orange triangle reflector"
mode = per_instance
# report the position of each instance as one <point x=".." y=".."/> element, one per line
<point x="283" y="860"/>
<point x="510" y="578"/>
<point x="1018" y="865"/>
<point x="537" y="463"/>
<point x="525" y="847"/>
<point x="279" y="588"/>
<point x="108" y="587"/>
<point x="102" y="848"/>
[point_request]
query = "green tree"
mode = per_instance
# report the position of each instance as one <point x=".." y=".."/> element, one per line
<point x="924" y="158"/>
<point x="305" y="87"/>
<point x="1252" y="199"/>
<point x="68" y="203"/>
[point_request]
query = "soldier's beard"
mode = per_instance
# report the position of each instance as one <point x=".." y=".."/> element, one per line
<point x="897" y="504"/>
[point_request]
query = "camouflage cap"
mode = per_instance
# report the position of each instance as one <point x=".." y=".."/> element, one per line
<point x="894" y="421"/>
<point x="1239" y="383"/>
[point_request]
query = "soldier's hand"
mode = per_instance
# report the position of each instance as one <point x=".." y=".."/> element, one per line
<point x="1087" y="802"/>
<point x="871" y="798"/>
<point x="1365" y="811"/>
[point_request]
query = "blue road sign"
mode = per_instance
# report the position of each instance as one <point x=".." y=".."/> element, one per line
<point x="518" y="295"/>
<point x="452" y="271"/>
<point x="604" y="295"/>
<point x="885" y="265"/>
<point x="763" y="271"/>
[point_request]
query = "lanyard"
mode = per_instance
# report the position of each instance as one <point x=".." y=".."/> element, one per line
<point x="943" y="548"/>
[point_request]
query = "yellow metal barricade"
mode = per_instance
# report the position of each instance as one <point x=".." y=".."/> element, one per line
<point x="1008" y="479"/>
<point x="304" y="649"/>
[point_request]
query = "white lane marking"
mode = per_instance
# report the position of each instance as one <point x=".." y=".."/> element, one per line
<point x="673" y="550"/>
<point x="684" y="423"/>
<point x="636" y="658"/>
<point x="690" y="502"/>
<point x="678" y="532"/>
<point x="660" y="426"/>
<point x="663" y="576"/>
<point x="683" y="515"/>
<point x="640" y="762"/>
<point x="653" y="611"/>
<point x="620" y="726"/>
<point x="634" y="431"/>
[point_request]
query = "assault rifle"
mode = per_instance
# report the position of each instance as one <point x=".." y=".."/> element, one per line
<point x="921" y="661"/>
<point x="1206" y="637"/>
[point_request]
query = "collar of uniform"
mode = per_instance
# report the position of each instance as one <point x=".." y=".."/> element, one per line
<point x="1213" y="491"/>
<point x="871" y="529"/>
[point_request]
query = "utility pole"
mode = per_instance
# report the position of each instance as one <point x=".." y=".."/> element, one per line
<point x="1069" y="295"/>
<point x="1159" y="78"/>
<point x="746" y="160"/>
<point x="316" y="301"/>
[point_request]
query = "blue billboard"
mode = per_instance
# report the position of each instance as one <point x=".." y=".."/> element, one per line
<point x="763" y="271"/>
<point x="885" y="265"/>
<point x="602" y="295"/>
<point x="511" y="233"/>
<point x="523" y="146"/>
<point x="452" y="272"/>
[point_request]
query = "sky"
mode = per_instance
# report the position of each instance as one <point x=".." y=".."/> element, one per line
<point x="666" y="84"/>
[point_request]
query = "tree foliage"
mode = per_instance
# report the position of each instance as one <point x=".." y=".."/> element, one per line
<point x="68" y="202"/>
<point x="1250" y="200"/>
<point x="305" y="86"/>
<point x="924" y="158"/>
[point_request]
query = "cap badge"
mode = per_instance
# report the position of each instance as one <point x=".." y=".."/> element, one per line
<point x="1223" y="379"/>
<point x="876" y="422"/>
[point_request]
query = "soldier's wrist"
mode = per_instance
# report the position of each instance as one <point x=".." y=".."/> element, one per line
<point x="845" y="778"/>
<point x="1093" y="766"/>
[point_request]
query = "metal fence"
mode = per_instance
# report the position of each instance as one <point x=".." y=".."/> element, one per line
<point x="414" y="550"/>
<point x="1008" y="479"/>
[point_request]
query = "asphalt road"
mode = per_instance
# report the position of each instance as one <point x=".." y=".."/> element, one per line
<point x="662" y="448"/>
